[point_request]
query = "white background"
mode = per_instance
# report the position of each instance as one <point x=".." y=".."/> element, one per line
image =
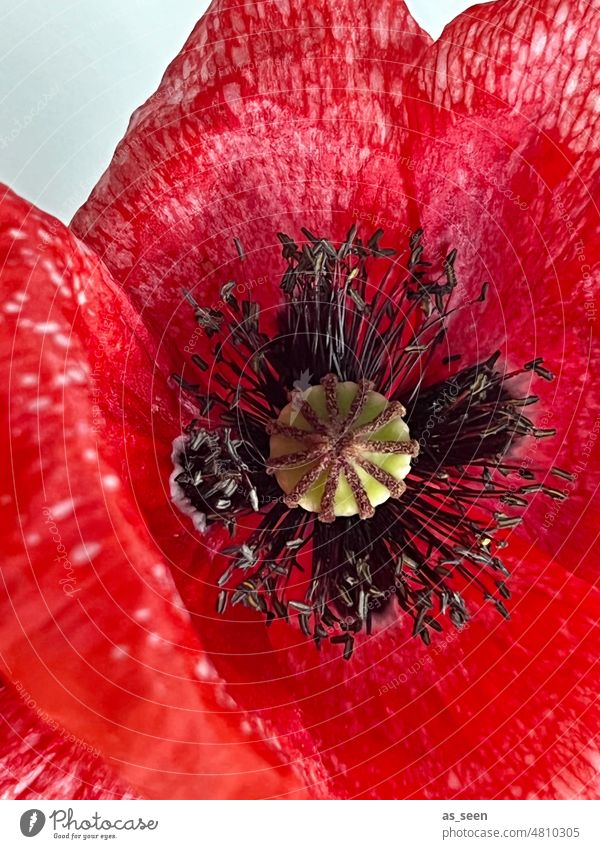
<point x="73" y="71"/>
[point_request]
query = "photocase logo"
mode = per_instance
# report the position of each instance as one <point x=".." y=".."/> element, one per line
<point x="32" y="822"/>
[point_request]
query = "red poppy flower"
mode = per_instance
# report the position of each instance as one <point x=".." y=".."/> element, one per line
<point x="330" y="121"/>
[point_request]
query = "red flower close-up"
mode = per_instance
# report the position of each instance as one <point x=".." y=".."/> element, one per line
<point x="300" y="422"/>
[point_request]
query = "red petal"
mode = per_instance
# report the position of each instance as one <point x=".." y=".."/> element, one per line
<point x="41" y="760"/>
<point x="506" y="122"/>
<point x="497" y="710"/>
<point x="275" y="116"/>
<point x="91" y="624"/>
<point x="487" y="135"/>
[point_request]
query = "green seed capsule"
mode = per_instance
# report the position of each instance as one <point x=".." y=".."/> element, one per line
<point x="340" y="449"/>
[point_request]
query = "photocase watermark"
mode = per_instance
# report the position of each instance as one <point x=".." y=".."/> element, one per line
<point x="89" y="827"/>
<point x="69" y="580"/>
<point x="584" y="454"/>
<point x="18" y="125"/>
<point x="102" y="350"/>
<point x="254" y="63"/>
<point x="96" y="822"/>
<point x="381" y="220"/>
<point x="505" y="191"/>
<point x="234" y="289"/>
<point x="32" y="822"/>
<point x="587" y="281"/>
<point x="374" y="603"/>
<point x="438" y="647"/>
<point x="585" y="268"/>
<point x="440" y="404"/>
<point x="33" y="706"/>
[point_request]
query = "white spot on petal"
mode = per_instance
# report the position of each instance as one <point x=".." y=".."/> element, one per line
<point x="453" y="781"/>
<point x="205" y="670"/>
<point x="40" y="403"/>
<point x="111" y="482"/>
<point x="118" y="652"/>
<point x="85" y="552"/>
<point x="142" y="615"/>
<point x="62" y="509"/>
<point x="61" y="340"/>
<point x="44" y="327"/>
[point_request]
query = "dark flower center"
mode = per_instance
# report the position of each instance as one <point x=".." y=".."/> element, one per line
<point x="363" y="427"/>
